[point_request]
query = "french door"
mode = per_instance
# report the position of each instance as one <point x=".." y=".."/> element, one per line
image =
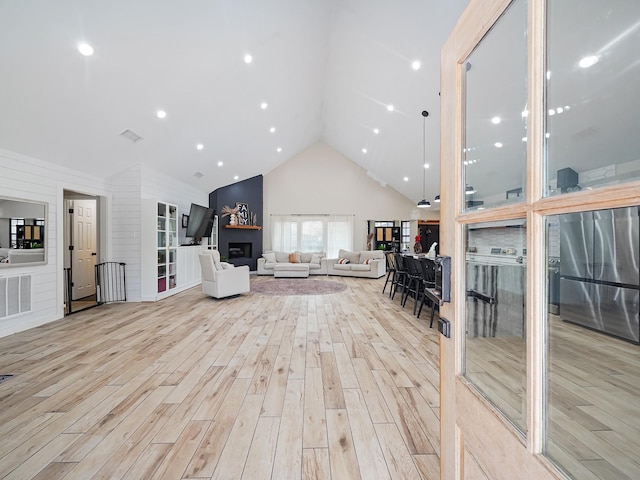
<point x="529" y="134"/>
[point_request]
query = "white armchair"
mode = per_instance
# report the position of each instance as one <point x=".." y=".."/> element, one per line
<point x="221" y="279"/>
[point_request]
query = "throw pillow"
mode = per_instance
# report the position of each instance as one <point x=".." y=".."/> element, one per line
<point x="270" y="257"/>
<point x="367" y="261"/>
<point x="294" y="258"/>
<point x="282" y="257"/>
<point x="315" y="259"/>
<point x="305" y="257"/>
<point x="343" y="261"/>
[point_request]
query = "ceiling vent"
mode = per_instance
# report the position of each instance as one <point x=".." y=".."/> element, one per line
<point x="198" y="174"/>
<point x="131" y="135"/>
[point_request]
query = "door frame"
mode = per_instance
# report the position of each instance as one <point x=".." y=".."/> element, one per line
<point x="69" y="196"/>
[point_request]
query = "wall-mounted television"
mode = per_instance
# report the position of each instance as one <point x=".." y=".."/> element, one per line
<point x="200" y="221"/>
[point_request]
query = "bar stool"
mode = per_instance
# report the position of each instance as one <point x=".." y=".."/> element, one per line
<point x="391" y="270"/>
<point x="414" y="281"/>
<point x="428" y="268"/>
<point x="400" y="276"/>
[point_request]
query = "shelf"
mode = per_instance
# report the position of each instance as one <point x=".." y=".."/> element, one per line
<point x="245" y="227"/>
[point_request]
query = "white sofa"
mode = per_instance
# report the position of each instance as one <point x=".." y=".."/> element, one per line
<point x="365" y="264"/>
<point x="316" y="262"/>
<point x="222" y="279"/>
<point x="13" y="256"/>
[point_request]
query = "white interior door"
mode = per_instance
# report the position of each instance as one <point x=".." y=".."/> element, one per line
<point x="84" y="248"/>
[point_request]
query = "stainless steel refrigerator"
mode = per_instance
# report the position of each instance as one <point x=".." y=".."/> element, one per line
<point x="599" y="274"/>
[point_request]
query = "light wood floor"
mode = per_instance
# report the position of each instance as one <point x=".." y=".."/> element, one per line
<point x="339" y="386"/>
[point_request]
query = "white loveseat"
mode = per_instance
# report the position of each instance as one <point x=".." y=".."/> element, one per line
<point x="272" y="262"/>
<point x="366" y="264"/>
<point x="222" y="279"/>
<point x="13" y="256"/>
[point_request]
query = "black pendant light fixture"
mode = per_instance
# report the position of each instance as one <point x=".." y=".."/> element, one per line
<point x="424" y="203"/>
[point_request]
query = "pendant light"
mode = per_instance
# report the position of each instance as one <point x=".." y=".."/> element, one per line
<point x="424" y="203"/>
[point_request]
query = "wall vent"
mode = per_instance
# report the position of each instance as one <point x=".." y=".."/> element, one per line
<point x="15" y="295"/>
<point x="131" y="135"/>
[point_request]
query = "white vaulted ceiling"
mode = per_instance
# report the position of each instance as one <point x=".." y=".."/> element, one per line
<point x="327" y="69"/>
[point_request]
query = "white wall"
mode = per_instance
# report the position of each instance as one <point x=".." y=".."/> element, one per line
<point x="321" y="180"/>
<point x="31" y="179"/>
<point x="130" y="188"/>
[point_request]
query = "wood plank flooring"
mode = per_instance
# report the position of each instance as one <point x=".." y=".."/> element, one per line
<point x="340" y="386"/>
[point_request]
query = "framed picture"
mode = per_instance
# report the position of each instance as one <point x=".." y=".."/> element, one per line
<point x="185" y="220"/>
<point x="243" y="213"/>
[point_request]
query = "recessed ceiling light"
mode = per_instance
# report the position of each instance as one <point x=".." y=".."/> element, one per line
<point x="390" y="108"/>
<point x="85" y="49"/>
<point x="525" y="113"/>
<point x="376" y="131"/>
<point x="200" y="146"/>
<point x="559" y="110"/>
<point x="426" y="165"/>
<point x="497" y="145"/>
<point x="524" y="139"/>
<point x="552" y="112"/>
<point x="496" y="120"/>
<point x="416" y="65"/>
<point x="406" y="179"/>
<point x="364" y="150"/>
<point x="220" y="163"/>
<point x="589" y="61"/>
<point x="272" y="129"/>
<point x="236" y="177"/>
<point x="547" y="135"/>
<point x="548" y="74"/>
<point x="161" y="114"/>
<point x="263" y="105"/>
<point x="248" y="58"/>
<point x="279" y="149"/>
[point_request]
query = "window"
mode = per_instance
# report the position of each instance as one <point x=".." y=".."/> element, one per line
<point x="312" y="233"/>
<point x="406" y="235"/>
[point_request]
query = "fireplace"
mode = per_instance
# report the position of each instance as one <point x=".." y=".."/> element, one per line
<point x="239" y="250"/>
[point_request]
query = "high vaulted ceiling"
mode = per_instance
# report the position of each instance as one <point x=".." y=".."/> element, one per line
<point x="327" y="69"/>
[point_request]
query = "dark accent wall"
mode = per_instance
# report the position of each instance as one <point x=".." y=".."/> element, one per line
<point x="250" y="192"/>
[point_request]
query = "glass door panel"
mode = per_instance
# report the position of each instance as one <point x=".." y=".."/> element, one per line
<point x="592" y="102"/>
<point x="495" y="113"/>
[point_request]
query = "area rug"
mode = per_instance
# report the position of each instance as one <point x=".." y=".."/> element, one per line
<point x="296" y="286"/>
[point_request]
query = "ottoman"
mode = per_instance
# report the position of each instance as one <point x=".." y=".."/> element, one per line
<point x="291" y="270"/>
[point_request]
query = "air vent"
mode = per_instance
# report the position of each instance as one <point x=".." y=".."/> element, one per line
<point x="131" y="135"/>
<point x="198" y="174"/>
<point x="15" y="295"/>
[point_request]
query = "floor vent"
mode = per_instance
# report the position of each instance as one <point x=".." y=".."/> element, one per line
<point x="5" y="377"/>
<point x="15" y="295"/>
<point x="130" y="135"/>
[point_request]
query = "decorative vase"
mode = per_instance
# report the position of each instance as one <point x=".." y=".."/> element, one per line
<point x="233" y="219"/>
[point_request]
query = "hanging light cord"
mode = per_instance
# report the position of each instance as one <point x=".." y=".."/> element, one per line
<point x="424" y="152"/>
